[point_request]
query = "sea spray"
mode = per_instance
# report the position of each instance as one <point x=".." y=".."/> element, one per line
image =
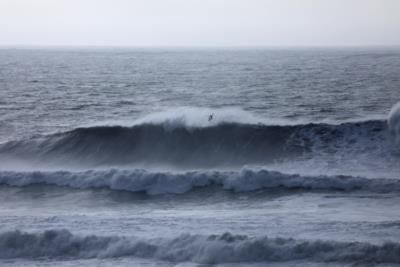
<point x="394" y="121"/>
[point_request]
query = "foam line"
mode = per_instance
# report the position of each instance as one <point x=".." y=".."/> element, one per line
<point x="195" y="248"/>
<point x="152" y="183"/>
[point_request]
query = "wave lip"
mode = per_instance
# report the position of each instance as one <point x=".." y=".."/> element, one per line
<point x="210" y="249"/>
<point x="181" y="182"/>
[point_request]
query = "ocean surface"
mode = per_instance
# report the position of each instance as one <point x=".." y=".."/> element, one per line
<point x="199" y="157"/>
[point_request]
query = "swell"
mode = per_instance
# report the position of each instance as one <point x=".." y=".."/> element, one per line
<point x="153" y="183"/>
<point x="225" y="144"/>
<point x="210" y="249"/>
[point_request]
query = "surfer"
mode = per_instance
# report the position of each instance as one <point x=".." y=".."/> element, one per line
<point x="210" y="117"/>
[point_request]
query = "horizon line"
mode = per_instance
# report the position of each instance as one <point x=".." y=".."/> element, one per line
<point x="194" y="47"/>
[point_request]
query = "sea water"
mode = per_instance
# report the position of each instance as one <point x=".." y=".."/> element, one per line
<point x="109" y="157"/>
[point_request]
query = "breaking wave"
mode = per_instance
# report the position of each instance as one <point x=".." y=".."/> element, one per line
<point x="216" y="145"/>
<point x="195" y="248"/>
<point x="181" y="182"/>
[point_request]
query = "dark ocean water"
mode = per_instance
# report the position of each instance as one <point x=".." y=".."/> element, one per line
<point x="108" y="157"/>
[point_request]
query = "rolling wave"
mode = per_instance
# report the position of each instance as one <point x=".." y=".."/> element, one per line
<point x="154" y="183"/>
<point x="225" y="144"/>
<point x="210" y="249"/>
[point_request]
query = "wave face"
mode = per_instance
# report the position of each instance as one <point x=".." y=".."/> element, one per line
<point x="179" y="183"/>
<point x="225" y="144"/>
<point x="195" y="248"/>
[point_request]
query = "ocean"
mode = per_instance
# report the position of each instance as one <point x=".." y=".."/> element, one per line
<point x="199" y="157"/>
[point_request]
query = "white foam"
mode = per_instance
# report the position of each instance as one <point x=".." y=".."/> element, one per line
<point x="152" y="183"/>
<point x="196" y="117"/>
<point x="212" y="249"/>
<point x="199" y="117"/>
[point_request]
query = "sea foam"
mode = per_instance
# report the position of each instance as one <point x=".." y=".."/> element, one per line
<point x="153" y="183"/>
<point x="211" y="249"/>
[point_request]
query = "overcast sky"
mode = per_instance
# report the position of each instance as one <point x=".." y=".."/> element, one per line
<point x="200" y="22"/>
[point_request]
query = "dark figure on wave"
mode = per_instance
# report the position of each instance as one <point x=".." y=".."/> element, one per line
<point x="211" y="117"/>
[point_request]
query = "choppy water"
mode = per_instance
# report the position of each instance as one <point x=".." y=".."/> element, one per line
<point x="108" y="157"/>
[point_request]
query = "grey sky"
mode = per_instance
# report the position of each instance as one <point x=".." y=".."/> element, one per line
<point x="200" y="22"/>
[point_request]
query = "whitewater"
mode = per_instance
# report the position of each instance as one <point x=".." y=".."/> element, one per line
<point x="109" y="157"/>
